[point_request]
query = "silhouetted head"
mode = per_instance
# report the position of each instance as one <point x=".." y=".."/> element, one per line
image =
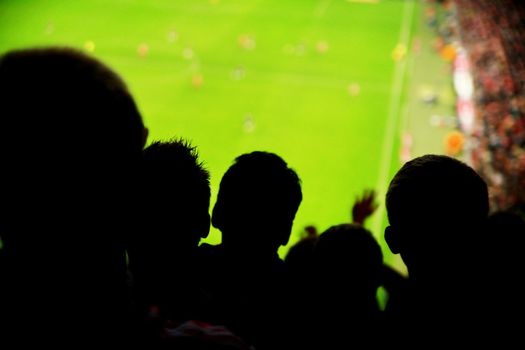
<point x="174" y="217"/>
<point x="436" y="206"/>
<point x="71" y="140"/>
<point x="258" y="198"/>
<point x="349" y="258"/>
<point x="176" y="197"/>
<point x="59" y="104"/>
<point x="70" y="130"/>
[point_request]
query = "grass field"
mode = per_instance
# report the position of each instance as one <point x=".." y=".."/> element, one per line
<point x="313" y="81"/>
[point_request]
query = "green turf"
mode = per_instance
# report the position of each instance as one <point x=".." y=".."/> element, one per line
<point x="283" y="95"/>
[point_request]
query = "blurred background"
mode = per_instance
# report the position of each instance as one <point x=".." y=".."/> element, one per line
<point x="344" y="90"/>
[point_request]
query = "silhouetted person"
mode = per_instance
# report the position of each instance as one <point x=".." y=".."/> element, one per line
<point x="258" y="198"/>
<point x="175" y="216"/>
<point x="72" y="138"/>
<point x="437" y="207"/>
<point x="347" y="273"/>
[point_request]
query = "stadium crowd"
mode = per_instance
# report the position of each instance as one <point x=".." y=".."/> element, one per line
<point x="494" y="35"/>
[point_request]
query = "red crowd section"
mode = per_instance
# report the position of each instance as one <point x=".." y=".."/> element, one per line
<point x="493" y="34"/>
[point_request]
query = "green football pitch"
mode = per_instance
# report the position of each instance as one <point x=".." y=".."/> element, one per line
<point x="314" y="81"/>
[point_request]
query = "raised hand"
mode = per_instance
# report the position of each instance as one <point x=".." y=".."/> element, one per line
<point x="364" y="207"/>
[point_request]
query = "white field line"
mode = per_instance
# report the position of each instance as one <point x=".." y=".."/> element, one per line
<point x="396" y="90"/>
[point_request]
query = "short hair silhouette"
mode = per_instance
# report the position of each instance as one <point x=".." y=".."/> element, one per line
<point x="68" y="104"/>
<point x="177" y="194"/>
<point x="175" y="216"/>
<point x="69" y="121"/>
<point x="434" y="204"/>
<point x="258" y="198"/>
<point x="437" y="207"/>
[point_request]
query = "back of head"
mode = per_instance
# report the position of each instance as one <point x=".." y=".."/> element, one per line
<point x="69" y="124"/>
<point x="258" y="198"/>
<point x="60" y="103"/>
<point x="348" y="256"/>
<point x="176" y="197"/>
<point x="299" y="259"/>
<point x="436" y="206"/>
